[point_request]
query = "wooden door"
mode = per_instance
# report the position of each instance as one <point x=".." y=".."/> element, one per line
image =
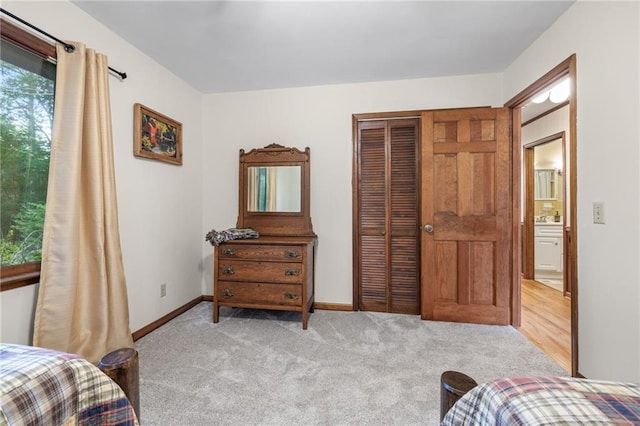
<point x="387" y="227"/>
<point x="466" y="201"/>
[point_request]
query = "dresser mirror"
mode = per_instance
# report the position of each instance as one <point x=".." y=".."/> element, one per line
<point x="274" y="191"/>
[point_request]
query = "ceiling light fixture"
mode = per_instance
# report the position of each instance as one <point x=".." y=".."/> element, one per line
<point x="556" y="94"/>
<point x="538" y="99"/>
<point x="560" y="92"/>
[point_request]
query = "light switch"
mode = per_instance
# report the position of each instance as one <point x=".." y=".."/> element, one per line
<point x="598" y="212"/>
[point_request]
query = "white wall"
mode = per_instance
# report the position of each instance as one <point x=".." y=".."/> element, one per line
<point x="556" y="122"/>
<point x="605" y="38"/>
<point x="319" y="118"/>
<point x="159" y="204"/>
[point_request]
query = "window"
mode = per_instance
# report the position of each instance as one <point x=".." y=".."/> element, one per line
<point x="27" y="80"/>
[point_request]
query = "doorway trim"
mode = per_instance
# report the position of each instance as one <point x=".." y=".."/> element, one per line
<point x="565" y="68"/>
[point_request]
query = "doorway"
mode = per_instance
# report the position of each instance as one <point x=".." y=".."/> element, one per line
<point x="545" y="193"/>
<point x="525" y="240"/>
<point x="546" y="304"/>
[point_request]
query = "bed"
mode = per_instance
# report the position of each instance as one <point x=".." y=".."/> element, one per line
<point x="548" y="401"/>
<point x="42" y="386"/>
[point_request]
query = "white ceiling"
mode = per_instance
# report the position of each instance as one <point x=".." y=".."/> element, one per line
<point x="222" y="46"/>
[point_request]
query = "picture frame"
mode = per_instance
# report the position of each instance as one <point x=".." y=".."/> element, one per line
<point x="156" y="136"/>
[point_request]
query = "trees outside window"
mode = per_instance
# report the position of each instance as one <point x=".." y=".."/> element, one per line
<point x="27" y="86"/>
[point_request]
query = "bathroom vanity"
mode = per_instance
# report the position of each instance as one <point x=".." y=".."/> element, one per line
<point x="548" y="250"/>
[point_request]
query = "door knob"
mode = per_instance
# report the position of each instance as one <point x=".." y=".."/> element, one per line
<point x="428" y="228"/>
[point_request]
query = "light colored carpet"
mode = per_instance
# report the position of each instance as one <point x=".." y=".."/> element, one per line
<point x="259" y="367"/>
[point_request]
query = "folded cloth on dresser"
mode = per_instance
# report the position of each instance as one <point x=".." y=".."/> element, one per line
<point x="215" y="237"/>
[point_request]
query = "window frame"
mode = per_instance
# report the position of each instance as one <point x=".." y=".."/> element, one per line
<point x="16" y="276"/>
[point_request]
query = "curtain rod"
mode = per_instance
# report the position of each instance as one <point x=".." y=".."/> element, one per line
<point x="67" y="47"/>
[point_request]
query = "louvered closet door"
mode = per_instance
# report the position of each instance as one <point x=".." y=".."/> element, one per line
<point x="388" y="225"/>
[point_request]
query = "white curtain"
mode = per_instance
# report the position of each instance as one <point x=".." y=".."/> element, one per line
<point x="252" y="189"/>
<point x="272" y="189"/>
<point x="82" y="303"/>
<point x="543" y="184"/>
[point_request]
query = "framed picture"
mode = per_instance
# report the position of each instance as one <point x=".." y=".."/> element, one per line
<point x="156" y="136"/>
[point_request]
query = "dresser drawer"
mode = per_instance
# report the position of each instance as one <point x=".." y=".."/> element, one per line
<point x="261" y="252"/>
<point x="549" y="230"/>
<point x="258" y="294"/>
<point x="270" y="272"/>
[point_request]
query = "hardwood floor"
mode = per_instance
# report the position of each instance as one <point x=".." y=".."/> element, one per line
<point x="546" y="321"/>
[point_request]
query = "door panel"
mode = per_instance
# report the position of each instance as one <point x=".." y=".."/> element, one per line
<point x="466" y="199"/>
<point x="403" y="211"/>
<point x="373" y="288"/>
<point x="372" y="216"/>
<point x="388" y="210"/>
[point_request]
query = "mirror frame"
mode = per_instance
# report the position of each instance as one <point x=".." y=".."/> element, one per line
<point x="276" y="223"/>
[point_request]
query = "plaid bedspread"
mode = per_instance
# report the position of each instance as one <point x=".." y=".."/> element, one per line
<point x="547" y="401"/>
<point x="44" y="387"/>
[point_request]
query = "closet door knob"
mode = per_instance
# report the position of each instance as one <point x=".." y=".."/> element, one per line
<point x="428" y="229"/>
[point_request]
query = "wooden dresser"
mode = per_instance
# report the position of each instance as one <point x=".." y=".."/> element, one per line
<point x="273" y="272"/>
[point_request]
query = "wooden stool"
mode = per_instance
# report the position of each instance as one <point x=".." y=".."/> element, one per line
<point x="453" y="385"/>
<point x="121" y="366"/>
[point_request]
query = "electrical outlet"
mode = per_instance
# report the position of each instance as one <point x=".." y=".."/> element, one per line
<point x="163" y="290"/>
<point x="598" y="212"/>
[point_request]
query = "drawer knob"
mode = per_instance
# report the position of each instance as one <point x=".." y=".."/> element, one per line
<point x="228" y="271"/>
<point x="291" y="253"/>
<point x="291" y="272"/>
<point x="227" y="293"/>
<point x="228" y="252"/>
<point x="292" y="296"/>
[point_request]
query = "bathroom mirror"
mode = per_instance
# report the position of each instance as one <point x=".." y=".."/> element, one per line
<point x="273" y="188"/>
<point x="274" y="191"/>
<point x="545" y="184"/>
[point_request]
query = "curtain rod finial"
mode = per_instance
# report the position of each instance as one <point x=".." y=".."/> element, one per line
<point x="122" y="75"/>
